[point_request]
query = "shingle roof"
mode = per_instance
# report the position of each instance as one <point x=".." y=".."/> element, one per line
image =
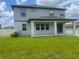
<point x="37" y="6"/>
<point x="71" y="24"/>
<point x="46" y="19"/>
<point x="52" y="18"/>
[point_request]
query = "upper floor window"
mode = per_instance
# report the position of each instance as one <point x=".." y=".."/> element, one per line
<point x="23" y="12"/>
<point x="51" y="12"/>
<point x="33" y="10"/>
<point x="62" y="13"/>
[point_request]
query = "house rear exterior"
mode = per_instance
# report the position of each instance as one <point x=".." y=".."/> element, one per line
<point x="40" y="20"/>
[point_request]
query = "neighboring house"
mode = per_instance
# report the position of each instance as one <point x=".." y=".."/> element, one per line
<point x="40" y="20"/>
<point x="0" y="26"/>
<point x="69" y="27"/>
<point x="6" y="31"/>
<point x="8" y="27"/>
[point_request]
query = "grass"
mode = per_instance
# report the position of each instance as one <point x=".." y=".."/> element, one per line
<point x="56" y="47"/>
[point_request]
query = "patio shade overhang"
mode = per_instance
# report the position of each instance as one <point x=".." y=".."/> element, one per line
<point x="48" y="18"/>
<point x="52" y="19"/>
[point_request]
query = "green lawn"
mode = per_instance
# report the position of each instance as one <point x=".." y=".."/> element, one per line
<point x="56" y="47"/>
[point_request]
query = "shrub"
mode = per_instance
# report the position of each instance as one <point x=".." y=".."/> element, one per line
<point x="15" y="34"/>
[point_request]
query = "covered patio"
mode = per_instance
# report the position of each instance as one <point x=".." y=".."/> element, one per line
<point x="55" y="26"/>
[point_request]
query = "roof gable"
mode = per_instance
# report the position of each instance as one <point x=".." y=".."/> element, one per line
<point x="36" y="7"/>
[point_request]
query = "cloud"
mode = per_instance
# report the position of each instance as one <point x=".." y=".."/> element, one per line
<point x="49" y="2"/>
<point x="21" y="1"/>
<point x="2" y="6"/>
<point x="9" y="23"/>
<point x="71" y="5"/>
<point x="6" y="16"/>
<point x="8" y="13"/>
<point x="56" y="2"/>
<point x="67" y="2"/>
<point x="73" y="11"/>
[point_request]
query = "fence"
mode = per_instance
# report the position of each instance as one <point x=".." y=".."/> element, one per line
<point x="4" y="32"/>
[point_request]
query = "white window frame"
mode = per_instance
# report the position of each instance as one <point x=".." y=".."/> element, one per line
<point x="40" y="27"/>
<point x="25" y="27"/>
<point x="22" y="10"/>
<point x="46" y="26"/>
<point x="51" y="12"/>
<point x="62" y="13"/>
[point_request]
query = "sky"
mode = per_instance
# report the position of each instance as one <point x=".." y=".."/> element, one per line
<point x="7" y="15"/>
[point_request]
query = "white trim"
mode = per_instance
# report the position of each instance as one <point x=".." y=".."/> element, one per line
<point x="32" y="28"/>
<point x="52" y="35"/>
<point x="41" y="26"/>
<point x="74" y="27"/>
<point x="55" y="28"/>
<point x="52" y="21"/>
<point x="64" y="28"/>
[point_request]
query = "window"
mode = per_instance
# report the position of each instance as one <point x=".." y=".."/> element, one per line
<point x="47" y="26"/>
<point x="24" y="27"/>
<point x="37" y="26"/>
<point x="51" y="12"/>
<point x="62" y="13"/>
<point x="42" y="26"/>
<point x="23" y="12"/>
<point x="33" y="10"/>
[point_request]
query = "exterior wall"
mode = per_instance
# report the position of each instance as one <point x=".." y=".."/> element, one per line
<point x="18" y="28"/>
<point x="17" y="16"/>
<point x="57" y="13"/>
<point x="77" y="31"/>
<point x="38" y="13"/>
<point x="35" y="13"/>
<point x="44" y="32"/>
<point x="69" y="30"/>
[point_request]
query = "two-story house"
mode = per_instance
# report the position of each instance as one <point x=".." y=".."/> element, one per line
<point x="40" y="20"/>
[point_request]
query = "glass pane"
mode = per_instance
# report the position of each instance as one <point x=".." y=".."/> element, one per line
<point x="62" y="13"/>
<point x="23" y="14"/>
<point x="24" y="27"/>
<point x="47" y="26"/>
<point x="42" y="26"/>
<point x="37" y="27"/>
<point x="51" y="12"/>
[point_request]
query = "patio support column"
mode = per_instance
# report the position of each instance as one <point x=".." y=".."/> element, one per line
<point x="64" y="28"/>
<point x="74" y="28"/>
<point x="55" y="27"/>
<point x="32" y="28"/>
